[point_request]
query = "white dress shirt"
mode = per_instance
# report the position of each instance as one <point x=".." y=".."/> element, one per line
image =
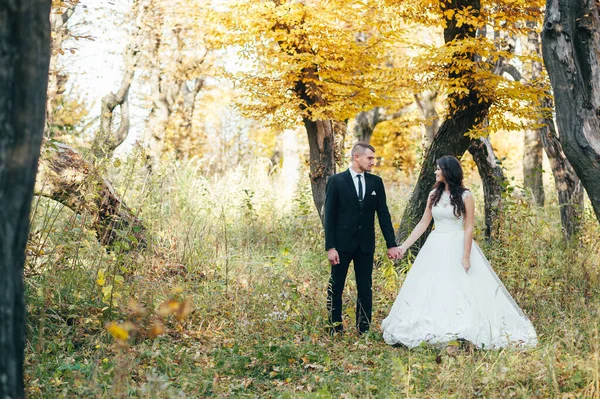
<point x="355" y="180"/>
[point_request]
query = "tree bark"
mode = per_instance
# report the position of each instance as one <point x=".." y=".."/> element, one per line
<point x="24" y="62"/>
<point x="321" y="143"/>
<point x="464" y="113"/>
<point x="571" y="50"/>
<point x="66" y="177"/>
<point x="450" y="140"/>
<point x="321" y="139"/>
<point x="494" y="183"/>
<point x="568" y="186"/>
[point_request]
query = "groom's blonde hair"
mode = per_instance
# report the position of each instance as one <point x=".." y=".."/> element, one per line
<point x="360" y="147"/>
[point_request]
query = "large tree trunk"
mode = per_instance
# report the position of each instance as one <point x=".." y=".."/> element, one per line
<point x="450" y="140"/>
<point x="66" y="177"/>
<point x="321" y="143"/>
<point x="568" y="186"/>
<point x="464" y="114"/>
<point x="571" y="49"/>
<point x="494" y="183"/>
<point x="321" y="140"/>
<point x="24" y="60"/>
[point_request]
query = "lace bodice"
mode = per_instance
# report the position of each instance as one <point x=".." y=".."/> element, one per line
<point x="443" y="215"/>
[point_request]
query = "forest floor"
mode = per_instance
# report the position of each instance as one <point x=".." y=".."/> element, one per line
<point x="228" y="300"/>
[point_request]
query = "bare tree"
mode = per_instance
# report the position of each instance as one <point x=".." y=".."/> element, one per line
<point x="571" y="50"/>
<point x="107" y="139"/>
<point x="25" y="47"/>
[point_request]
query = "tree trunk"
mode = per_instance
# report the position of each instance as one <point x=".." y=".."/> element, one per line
<point x="321" y="144"/>
<point x="450" y="140"/>
<point x="60" y="33"/>
<point x="173" y="94"/>
<point x="532" y="165"/>
<point x="431" y="124"/>
<point x="290" y="167"/>
<point x="157" y="121"/>
<point x="465" y="113"/>
<point x="366" y="122"/>
<point x="24" y="61"/>
<point x="187" y="104"/>
<point x="494" y="183"/>
<point x="533" y="148"/>
<point x="106" y="140"/>
<point x="66" y="177"/>
<point x="568" y="186"/>
<point x="571" y="49"/>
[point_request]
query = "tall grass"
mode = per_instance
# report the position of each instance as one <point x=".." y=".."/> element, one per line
<point x="252" y="264"/>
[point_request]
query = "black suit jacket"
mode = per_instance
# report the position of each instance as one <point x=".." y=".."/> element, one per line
<point x="348" y="226"/>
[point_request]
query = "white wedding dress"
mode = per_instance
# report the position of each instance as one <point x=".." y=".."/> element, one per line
<point x="440" y="302"/>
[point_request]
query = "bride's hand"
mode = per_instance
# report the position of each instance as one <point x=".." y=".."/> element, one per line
<point x="402" y="250"/>
<point x="466" y="263"/>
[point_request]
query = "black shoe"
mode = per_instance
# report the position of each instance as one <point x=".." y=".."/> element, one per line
<point x="335" y="330"/>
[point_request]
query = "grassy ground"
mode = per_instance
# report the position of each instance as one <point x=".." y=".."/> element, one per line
<point x="228" y="300"/>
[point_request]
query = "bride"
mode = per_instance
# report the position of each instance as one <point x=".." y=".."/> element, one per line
<point x="451" y="292"/>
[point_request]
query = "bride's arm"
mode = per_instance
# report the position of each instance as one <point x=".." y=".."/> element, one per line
<point x="419" y="228"/>
<point x="469" y="223"/>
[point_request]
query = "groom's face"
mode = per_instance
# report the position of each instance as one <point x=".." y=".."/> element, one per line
<point x="365" y="161"/>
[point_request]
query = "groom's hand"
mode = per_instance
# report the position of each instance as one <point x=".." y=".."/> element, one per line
<point x="394" y="253"/>
<point x="333" y="256"/>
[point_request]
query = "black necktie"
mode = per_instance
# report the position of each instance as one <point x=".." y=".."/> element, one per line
<point x="360" y="188"/>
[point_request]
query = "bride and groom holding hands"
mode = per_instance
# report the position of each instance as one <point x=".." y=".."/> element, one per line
<point x="451" y="291"/>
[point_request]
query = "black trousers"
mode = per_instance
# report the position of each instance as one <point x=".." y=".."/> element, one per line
<point x="363" y="271"/>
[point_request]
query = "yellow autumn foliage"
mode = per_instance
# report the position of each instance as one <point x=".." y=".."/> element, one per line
<point x="354" y="55"/>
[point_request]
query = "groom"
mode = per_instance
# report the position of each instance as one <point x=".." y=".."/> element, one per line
<point x="351" y="201"/>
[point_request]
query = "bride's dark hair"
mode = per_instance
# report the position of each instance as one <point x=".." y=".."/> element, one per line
<point x="453" y="174"/>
